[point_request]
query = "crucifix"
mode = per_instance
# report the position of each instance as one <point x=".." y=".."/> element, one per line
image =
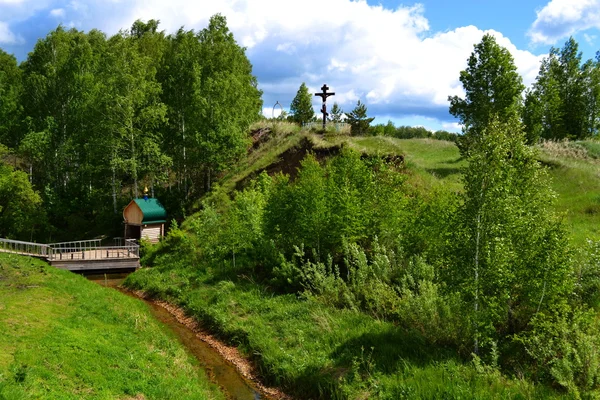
<point x="324" y="96"/>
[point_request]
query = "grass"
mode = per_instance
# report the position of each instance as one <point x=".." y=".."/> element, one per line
<point x="283" y="135"/>
<point x="575" y="169"/>
<point x="63" y="337"/>
<point x="318" y="352"/>
<point x="433" y="162"/>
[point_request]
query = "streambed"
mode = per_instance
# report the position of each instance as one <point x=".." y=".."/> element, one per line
<point x="222" y="372"/>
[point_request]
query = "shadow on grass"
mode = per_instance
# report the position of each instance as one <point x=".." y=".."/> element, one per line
<point x="456" y="160"/>
<point x="443" y="172"/>
<point x="389" y="350"/>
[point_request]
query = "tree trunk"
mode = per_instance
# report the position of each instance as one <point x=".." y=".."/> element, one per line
<point x="185" y="187"/>
<point x="476" y="305"/>
<point x="114" y="189"/>
<point x="133" y="166"/>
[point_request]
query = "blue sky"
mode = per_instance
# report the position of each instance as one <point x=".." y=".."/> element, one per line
<point x="402" y="59"/>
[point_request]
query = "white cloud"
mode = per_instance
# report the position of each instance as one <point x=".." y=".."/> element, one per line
<point x="388" y="58"/>
<point x="287" y="47"/>
<point x="590" y="39"/>
<point x="7" y="36"/>
<point x="58" y="12"/>
<point x="452" y="126"/>
<point x="17" y="10"/>
<point x="562" y="18"/>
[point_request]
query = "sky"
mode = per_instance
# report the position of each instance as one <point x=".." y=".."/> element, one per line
<point x="401" y="58"/>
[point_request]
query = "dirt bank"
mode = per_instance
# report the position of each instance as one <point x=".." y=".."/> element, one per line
<point x="229" y="353"/>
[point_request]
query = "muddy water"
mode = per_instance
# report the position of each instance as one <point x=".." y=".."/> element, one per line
<point x="222" y="372"/>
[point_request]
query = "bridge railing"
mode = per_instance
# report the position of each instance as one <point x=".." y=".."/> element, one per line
<point x="92" y="250"/>
<point x="24" y="248"/>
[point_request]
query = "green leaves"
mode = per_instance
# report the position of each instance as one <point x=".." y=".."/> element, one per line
<point x="20" y="213"/>
<point x="358" y="120"/>
<point x="349" y="200"/>
<point x="565" y="99"/>
<point x="336" y="113"/>
<point x="95" y="119"/>
<point x="212" y="98"/>
<point x="11" y="86"/>
<point x="492" y="88"/>
<point x="301" y="107"/>
<point x="512" y="256"/>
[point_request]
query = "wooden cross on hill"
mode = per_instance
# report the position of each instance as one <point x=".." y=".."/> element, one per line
<point x="324" y="96"/>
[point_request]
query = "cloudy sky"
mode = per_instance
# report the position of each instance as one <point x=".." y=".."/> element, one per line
<point x="400" y="58"/>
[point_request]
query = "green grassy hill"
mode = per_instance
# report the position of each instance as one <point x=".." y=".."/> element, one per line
<point x="574" y="168"/>
<point x="64" y="337"/>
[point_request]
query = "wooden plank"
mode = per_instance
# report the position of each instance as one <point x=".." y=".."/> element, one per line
<point x="151" y="233"/>
<point x="80" y="265"/>
<point x="101" y="253"/>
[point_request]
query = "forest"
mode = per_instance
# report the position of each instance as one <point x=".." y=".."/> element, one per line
<point x="93" y="120"/>
<point x="353" y="276"/>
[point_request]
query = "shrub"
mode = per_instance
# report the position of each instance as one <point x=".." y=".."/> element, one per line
<point x="564" y="348"/>
<point x="587" y="274"/>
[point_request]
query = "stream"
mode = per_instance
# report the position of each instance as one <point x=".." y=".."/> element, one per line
<point x="222" y="372"/>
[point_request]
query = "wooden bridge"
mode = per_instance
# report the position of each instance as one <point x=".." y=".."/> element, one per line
<point x="83" y="255"/>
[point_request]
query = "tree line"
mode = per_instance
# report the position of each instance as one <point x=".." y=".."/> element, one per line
<point x="94" y="119"/>
<point x="563" y="102"/>
<point x="302" y="112"/>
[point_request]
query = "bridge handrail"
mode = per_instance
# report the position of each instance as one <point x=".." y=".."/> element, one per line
<point x="76" y="244"/>
<point x="79" y="249"/>
<point x="18" y="246"/>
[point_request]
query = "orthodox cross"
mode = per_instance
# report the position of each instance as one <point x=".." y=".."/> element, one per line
<point x="324" y="96"/>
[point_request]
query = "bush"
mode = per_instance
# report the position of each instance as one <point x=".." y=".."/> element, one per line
<point x="383" y="285"/>
<point x="587" y="275"/>
<point x="564" y="349"/>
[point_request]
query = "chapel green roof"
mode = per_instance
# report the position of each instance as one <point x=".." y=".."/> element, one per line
<point x="153" y="211"/>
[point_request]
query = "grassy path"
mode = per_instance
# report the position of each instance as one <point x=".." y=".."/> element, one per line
<point x="63" y="337"/>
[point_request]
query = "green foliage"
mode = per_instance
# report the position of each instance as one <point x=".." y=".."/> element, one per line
<point x="301" y="107"/>
<point x="425" y="287"/>
<point x="11" y="87"/>
<point x="94" y="119"/>
<point x="315" y="351"/>
<point x="336" y="114"/>
<point x="410" y="132"/>
<point x="383" y="284"/>
<point x="492" y="87"/>
<point x="563" y="345"/>
<point x="358" y="120"/>
<point x="565" y="99"/>
<point x="20" y="213"/>
<point x="243" y="221"/>
<point x="511" y="253"/>
<point x="230" y="97"/>
<point x="349" y="199"/>
<point x="587" y="274"/>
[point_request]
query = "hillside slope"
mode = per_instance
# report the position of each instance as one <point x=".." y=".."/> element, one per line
<point x="574" y="168"/>
<point x="347" y="279"/>
<point x="64" y="337"/>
